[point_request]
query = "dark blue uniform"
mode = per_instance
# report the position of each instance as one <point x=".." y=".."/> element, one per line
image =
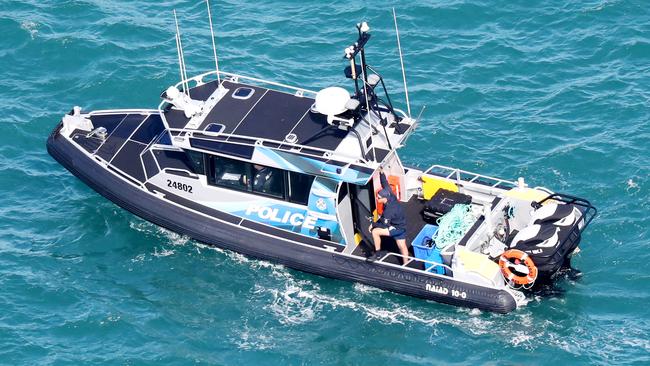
<point x="393" y="217"/>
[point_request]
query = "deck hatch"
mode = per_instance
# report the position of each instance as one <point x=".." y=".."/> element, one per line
<point x="243" y="93"/>
<point x="230" y="111"/>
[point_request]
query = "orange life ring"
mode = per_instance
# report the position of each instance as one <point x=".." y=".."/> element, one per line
<point x="517" y="257"/>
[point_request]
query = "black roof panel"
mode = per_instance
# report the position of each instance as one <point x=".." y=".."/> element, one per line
<point x="266" y="114"/>
<point x="274" y="116"/>
<point x="231" y="111"/>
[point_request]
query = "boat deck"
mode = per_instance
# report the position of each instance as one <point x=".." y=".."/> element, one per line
<point x="128" y="135"/>
<point x="415" y="223"/>
<point x="266" y="114"/>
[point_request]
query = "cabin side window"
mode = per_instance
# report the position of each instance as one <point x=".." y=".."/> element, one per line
<point x="259" y="179"/>
<point x="299" y="187"/>
<point x="229" y="173"/>
<point x="267" y="180"/>
<point x="196" y="161"/>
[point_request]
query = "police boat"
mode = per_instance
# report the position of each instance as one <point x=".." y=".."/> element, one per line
<point x="290" y="175"/>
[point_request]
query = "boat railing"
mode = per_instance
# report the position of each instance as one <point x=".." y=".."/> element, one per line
<point x="410" y="260"/>
<point x="122" y="111"/>
<point x="247" y="140"/>
<point x="401" y="112"/>
<point x="460" y="175"/>
<point x="265" y="142"/>
<point x="198" y="79"/>
<point x="589" y="211"/>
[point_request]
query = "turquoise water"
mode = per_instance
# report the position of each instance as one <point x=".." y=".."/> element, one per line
<point x="558" y="93"/>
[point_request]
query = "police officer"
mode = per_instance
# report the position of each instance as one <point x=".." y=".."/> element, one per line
<point x="263" y="179"/>
<point x="392" y="221"/>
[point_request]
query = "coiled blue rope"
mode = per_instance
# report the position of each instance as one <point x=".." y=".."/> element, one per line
<point x="453" y="225"/>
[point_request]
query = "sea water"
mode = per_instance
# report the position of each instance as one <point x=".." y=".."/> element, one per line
<point x="556" y="92"/>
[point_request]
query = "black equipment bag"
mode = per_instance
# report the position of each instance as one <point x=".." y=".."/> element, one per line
<point x="441" y="203"/>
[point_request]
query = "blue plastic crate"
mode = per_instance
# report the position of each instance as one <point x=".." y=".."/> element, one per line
<point x="424" y="252"/>
<point x="437" y="258"/>
<point x="419" y="249"/>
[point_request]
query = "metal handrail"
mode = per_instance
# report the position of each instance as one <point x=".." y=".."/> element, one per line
<point x="457" y="173"/>
<point x="544" y="189"/>
<point x="590" y="210"/>
<point x="414" y="259"/>
<point x="234" y="77"/>
<point x="123" y="111"/>
<point x="588" y="215"/>
<point x="256" y="141"/>
<point x="404" y="115"/>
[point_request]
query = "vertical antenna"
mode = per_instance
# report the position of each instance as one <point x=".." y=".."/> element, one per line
<point x="178" y="49"/>
<point x="214" y="47"/>
<point x="401" y="60"/>
<point x="181" y="58"/>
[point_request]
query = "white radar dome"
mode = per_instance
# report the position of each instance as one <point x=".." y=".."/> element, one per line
<point x="331" y="101"/>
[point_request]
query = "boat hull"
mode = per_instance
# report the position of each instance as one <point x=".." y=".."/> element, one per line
<point x="222" y="234"/>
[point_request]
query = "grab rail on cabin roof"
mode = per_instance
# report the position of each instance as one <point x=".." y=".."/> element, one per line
<point x="143" y="112"/>
<point x="470" y="177"/>
<point x="265" y="142"/>
<point x="198" y="79"/>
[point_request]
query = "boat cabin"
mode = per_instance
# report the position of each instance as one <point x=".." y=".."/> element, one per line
<point x="287" y="157"/>
<point x="273" y="157"/>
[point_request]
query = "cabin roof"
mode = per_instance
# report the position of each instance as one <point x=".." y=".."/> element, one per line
<point x="266" y="114"/>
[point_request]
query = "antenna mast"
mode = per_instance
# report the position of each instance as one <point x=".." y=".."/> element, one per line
<point x="181" y="58"/>
<point x="214" y="47"/>
<point x="401" y="60"/>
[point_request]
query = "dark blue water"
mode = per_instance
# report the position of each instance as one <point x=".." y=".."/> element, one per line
<point x="556" y="92"/>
